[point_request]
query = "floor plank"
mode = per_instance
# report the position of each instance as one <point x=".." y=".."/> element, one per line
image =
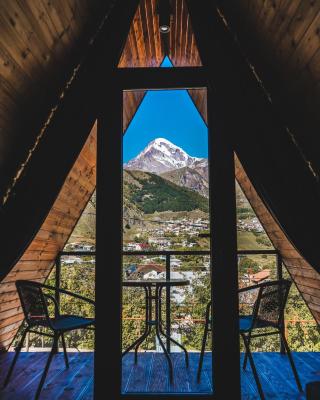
<point x="150" y="374"/>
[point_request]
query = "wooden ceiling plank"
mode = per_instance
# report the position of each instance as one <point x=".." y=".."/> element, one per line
<point x="40" y="31"/>
<point x="27" y="275"/>
<point x="10" y="313"/>
<point x="41" y="26"/>
<point x="128" y="56"/>
<point x="151" y="33"/>
<point x="298" y="27"/>
<point x="255" y="8"/>
<point x="183" y="16"/>
<point x="9" y="295"/>
<point x="38" y="255"/>
<point x="188" y="39"/>
<point x="174" y="50"/>
<point x="142" y="43"/>
<point x="8" y="322"/>
<point x="270" y="13"/>
<point x="132" y="51"/>
<point x="77" y="21"/>
<point x="61" y="29"/>
<point x="11" y="327"/>
<point x="308" y="45"/>
<point x="49" y="32"/>
<point x="146" y="35"/>
<point x="153" y="30"/>
<point x="314" y="67"/>
<point x="31" y="264"/>
<point x="58" y="217"/>
<point x="67" y="17"/>
<point x="172" y="31"/>
<point x="10" y="102"/>
<point x="4" y="306"/>
<point x="20" y="52"/>
<point x="282" y="19"/>
<point x="15" y="23"/>
<point x="140" y="54"/>
<point x="194" y="54"/>
<point x="264" y="10"/>
<point x="178" y="34"/>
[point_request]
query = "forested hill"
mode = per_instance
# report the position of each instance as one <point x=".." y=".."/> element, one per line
<point x="149" y="193"/>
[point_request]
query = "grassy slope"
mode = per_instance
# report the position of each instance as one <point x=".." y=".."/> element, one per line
<point x="151" y="193"/>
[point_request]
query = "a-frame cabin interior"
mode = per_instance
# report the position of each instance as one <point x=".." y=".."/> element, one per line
<point x="73" y="74"/>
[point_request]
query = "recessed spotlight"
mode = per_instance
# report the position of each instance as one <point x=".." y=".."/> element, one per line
<point x="164" y="12"/>
<point x="164" y="28"/>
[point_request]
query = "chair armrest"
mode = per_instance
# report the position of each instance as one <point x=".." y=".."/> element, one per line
<point x="259" y="285"/>
<point x="247" y="288"/>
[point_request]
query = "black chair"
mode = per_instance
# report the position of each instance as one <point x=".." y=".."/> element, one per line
<point x="268" y="312"/>
<point x="34" y="302"/>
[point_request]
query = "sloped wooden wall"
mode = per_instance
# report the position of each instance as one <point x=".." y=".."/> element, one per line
<point x="38" y="260"/>
<point x="304" y="276"/>
<point x="281" y="38"/>
<point x="41" y="42"/>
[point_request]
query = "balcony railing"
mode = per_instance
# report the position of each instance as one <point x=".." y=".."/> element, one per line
<point x="167" y="254"/>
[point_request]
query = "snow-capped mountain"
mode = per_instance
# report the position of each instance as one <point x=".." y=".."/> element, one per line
<point x="161" y="156"/>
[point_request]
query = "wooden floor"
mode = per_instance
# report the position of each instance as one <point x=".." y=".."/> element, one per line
<point x="150" y="375"/>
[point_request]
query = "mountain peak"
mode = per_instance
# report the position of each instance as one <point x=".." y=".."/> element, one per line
<point x="159" y="156"/>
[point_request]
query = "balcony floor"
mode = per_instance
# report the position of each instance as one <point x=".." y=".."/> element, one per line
<point x="150" y="375"/>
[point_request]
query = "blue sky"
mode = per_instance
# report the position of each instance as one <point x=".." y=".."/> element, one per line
<point x="170" y="114"/>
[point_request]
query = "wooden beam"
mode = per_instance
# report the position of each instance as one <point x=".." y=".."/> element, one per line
<point x="224" y="284"/>
<point x="108" y="359"/>
<point x="108" y="362"/>
<point x="65" y="135"/>
<point x="161" y="78"/>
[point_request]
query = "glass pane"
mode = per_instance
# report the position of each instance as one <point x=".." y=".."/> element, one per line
<point x="166" y="263"/>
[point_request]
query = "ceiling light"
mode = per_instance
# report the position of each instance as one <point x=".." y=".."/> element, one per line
<point x="164" y="11"/>
<point x="164" y="28"/>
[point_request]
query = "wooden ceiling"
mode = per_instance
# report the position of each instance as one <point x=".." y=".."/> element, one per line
<point x="146" y="47"/>
<point x="41" y="42"/>
<point x="281" y="38"/>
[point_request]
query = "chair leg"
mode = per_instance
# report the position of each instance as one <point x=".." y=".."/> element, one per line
<point x="64" y="351"/>
<point x="293" y="367"/>
<point x="253" y="367"/>
<point x="46" y="369"/>
<point x="203" y="347"/>
<point x="246" y="354"/>
<point x="18" y="350"/>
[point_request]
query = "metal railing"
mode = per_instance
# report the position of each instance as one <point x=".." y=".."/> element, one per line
<point x="168" y="254"/>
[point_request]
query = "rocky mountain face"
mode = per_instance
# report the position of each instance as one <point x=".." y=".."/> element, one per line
<point x="164" y="158"/>
<point x="172" y="163"/>
<point x="190" y="178"/>
<point x="160" y="156"/>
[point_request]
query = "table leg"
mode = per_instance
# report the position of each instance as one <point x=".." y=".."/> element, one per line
<point x="146" y="331"/>
<point x="169" y="337"/>
<point x="148" y="324"/>
<point x="158" y="329"/>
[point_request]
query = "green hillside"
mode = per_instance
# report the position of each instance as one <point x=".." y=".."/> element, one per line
<point x="150" y="193"/>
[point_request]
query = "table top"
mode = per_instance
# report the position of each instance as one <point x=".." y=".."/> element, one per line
<point x="156" y="282"/>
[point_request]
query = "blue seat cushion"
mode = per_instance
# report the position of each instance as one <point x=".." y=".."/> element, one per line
<point x="245" y="323"/>
<point x="70" y="322"/>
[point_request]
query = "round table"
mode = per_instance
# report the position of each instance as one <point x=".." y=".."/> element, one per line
<point x="148" y="285"/>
